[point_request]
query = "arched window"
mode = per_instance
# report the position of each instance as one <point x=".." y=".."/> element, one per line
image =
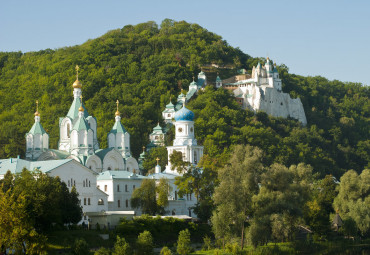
<point x="109" y="168"/>
<point x="68" y="130"/>
<point x="100" y="202"/>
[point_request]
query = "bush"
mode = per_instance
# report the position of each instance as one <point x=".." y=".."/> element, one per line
<point x="121" y="247"/>
<point x="102" y="251"/>
<point x="145" y="243"/>
<point x="166" y="251"/>
<point x="207" y="243"/>
<point x="183" y="243"/>
<point x="80" y="247"/>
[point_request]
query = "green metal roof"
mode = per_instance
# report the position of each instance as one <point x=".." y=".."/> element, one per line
<point x="157" y="128"/>
<point x="170" y="106"/>
<point x="73" y="110"/>
<point x="218" y="78"/>
<point x="37" y="129"/>
<point x="102" y="152"/>
<point x="118" y="128"/>
<point x="81" y="124"/>
<point x="193" y="83"/>
<point x="16" y="165"/>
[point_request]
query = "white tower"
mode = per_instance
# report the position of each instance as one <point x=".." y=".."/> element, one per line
<point x="185" y="141"/>
<point x="37" y="140"/>
<point x="218" y="82"/>
<point x="118" y="137"/>
<point x="82" y="136"/>
<point x="169" y="113"/>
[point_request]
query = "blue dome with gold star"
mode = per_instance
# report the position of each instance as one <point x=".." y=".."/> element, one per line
<point x="184" y="114"/>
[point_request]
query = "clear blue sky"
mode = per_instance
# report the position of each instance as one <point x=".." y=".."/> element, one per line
<point x="330" y="38"/>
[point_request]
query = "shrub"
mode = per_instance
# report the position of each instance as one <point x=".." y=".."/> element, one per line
<point x="102" y="251"/>
<point x="166" y="251"/>
<point x="145" y="243"/>
<point x="80" y="247"/>
<point x="121" y="247"/>
<point x="183" y="243"/>
<point x="207" y="243"/>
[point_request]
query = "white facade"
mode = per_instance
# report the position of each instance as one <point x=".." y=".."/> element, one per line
<point x="263" y="92"/>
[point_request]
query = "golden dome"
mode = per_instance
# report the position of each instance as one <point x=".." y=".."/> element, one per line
<point x="118" y="113"/>
<point x="37" y="113"/>
<point x="81" y="109"/>
<point x="77" y="84"/>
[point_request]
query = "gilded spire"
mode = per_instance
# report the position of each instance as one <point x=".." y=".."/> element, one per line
<point x="117" y="112"/>
<point x="37" y="108"/>
<point x="157" y="160"/>
<point x="77" y="84"/>
<point x="81" y="109"/>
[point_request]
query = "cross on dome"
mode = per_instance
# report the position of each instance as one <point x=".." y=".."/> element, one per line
<point x="117" y="112"/>
<point x="37" y="108"/>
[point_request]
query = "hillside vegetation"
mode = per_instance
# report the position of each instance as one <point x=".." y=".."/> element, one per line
<point x="143" y="65"/>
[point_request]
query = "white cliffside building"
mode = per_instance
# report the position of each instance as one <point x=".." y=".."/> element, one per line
<point x="262" y="91"/>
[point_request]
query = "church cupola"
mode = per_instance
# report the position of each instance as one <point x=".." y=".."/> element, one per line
<point x="268" y="67"/>
<point x="37" y="140"/>
<point x="118" y="137"/>
<point x="218" y="82"/>
<point x="169" y="112"/>
<point x="82" y="136"/>
<point x="202" y="79"/>
<point x="77" y="85"/>
<point x="157" y="136"/>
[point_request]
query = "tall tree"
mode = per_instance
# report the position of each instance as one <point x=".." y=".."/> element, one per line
<point x="144" y="197"/>
<point x="238" y="184"/>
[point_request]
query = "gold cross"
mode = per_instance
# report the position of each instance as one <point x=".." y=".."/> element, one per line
<point x="117" y="102"/>
<point x="77" y="68"/>
<point x="37" y="105"/>
<point x="157" y="160"/>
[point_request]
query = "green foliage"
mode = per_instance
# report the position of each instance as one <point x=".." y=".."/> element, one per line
<point x="102" y="251"/>
<point x="233" y="197"/>
<point x="144" y="197"/>
<point x="207" y="243"/>
<point x="163" y="190"/>
<point x="150" y="159"/>
<point x="165" y="251"/>
<point x="48" y="199"/>
<point x="16" y="229"/>
<point x="353" y="200"/>
<point x="121" y="247"/>
<point x="163" y="230"/>
<point x="144" y="243"/>
<point x="80" y="247"/>
<point x="183" y="243"/>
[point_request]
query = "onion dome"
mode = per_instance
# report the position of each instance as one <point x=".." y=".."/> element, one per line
<point x="37" y="113"/>
<point x="81" y="109"/>
<point x="77" y="84"/>
<point x="184" y="114"/>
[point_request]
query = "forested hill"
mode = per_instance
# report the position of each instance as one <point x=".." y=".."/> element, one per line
<point x="143" y="65"/>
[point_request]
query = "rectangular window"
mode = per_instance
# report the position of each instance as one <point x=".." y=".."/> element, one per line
<point x="88" y="201"/>
<point x="85" y="201"/>
<point x="105" y="187"/>
<point x="126" y="203"/>
<point x="119" y="203"/>
<point x="126" y="188"/>
<point x="133" y="188"/>
<point x="118" y="187"/>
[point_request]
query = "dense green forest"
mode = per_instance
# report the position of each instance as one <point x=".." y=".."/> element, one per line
<point x="143" y="65"/>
